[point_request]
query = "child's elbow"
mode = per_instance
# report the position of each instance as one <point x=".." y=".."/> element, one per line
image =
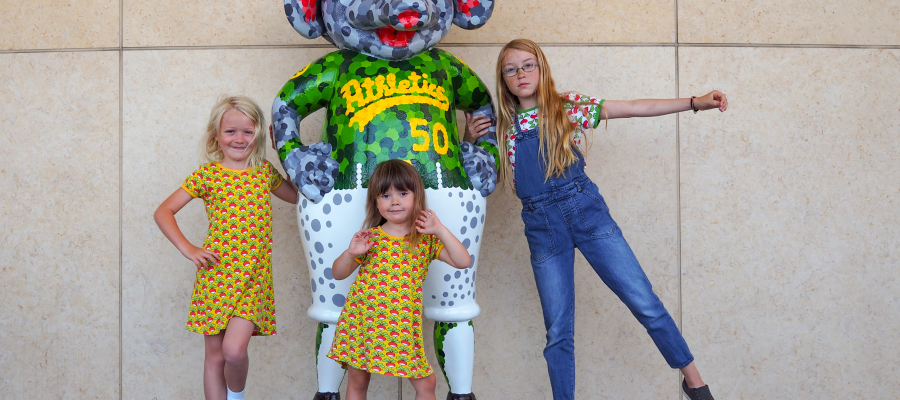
<point x="339" y="273"/>
<point x="159" y="214"/>
<point x="464" y="263"/>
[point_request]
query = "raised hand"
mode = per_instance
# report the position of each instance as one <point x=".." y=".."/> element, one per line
<point x="360" y="243"/>
<point x="428" y="223"/>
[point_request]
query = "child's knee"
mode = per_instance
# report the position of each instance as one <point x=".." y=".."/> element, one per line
<point x="214" y="360"/>
<point x="234" y="354"/>
<point x="213" y="354"/>
<point x="359" y="380"/>
<point x="428" y="383"/>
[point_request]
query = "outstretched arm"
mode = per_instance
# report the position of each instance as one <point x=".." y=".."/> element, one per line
<point x="655" y="107"/>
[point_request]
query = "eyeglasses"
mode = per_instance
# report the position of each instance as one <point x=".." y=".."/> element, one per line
<point x="513" y="71"/>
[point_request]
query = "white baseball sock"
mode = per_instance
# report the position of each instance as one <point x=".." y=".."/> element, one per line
<point x="235" y="396"/>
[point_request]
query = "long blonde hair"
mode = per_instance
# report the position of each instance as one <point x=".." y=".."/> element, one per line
<point x="556" y="131"/>
<point x="210" y="147"/>
<point x="399" y="175"/>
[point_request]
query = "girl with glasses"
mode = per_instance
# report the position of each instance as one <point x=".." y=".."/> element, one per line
<point x="541" y="132"/>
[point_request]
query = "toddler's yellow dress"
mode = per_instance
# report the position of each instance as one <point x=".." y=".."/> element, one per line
<point x="380" y="328"/>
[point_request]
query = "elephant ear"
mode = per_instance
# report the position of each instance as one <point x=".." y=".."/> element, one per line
<point x="306" y="17"/>
<point x="472" y="14"/>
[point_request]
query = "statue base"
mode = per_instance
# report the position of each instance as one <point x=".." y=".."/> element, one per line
<point x="453" y="396"/>
<point x="327" y="396"/>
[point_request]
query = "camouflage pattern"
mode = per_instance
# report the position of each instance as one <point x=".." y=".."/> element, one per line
<point x="378" y="110"/>
<point x="388" y="94"/>
<point x="389" y="30"/>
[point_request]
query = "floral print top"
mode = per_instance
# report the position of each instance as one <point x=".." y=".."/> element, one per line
<point x="583" y="116"/>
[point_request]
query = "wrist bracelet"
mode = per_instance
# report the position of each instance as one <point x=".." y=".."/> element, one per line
<point x="692" y="104"/>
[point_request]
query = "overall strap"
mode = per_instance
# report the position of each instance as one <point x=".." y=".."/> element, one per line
<point x="518" y="127"/>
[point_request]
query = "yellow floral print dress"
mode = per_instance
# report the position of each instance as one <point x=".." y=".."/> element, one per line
<point x="380" y="328"/>
<point x="240" y="232"/>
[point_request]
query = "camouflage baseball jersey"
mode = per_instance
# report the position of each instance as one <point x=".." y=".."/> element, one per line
<point x="379" y="110"/>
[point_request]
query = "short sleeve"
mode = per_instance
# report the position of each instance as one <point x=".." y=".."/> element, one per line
<point x="586" y="114"/>
<point x="362" y="258"/>
<point x="434" y="247"/>
<point x="275" y="178"/>
<point x="195" y="184"/>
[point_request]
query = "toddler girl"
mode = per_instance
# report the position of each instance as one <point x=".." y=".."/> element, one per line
<point x="380" y="327"/>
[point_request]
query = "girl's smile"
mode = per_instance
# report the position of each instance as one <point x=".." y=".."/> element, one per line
<point x="236" y="138"/>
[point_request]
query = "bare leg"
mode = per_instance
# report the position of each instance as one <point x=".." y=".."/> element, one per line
<point x="214" y="367"/>
<point x="357" y="383"/>
<point x="424" y="387"/>
<point x="234" y="349"/>
<point x="692" y="376"/>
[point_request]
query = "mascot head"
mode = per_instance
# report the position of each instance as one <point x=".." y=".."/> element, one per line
<point x="386" y="29"/>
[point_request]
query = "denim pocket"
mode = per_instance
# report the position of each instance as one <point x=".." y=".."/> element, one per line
<point x="594" y="212"/>
<point x="538" y="233"/>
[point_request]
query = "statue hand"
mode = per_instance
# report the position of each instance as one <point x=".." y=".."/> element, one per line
<point x="312" y="170"/>
<point x="480" y="167"/>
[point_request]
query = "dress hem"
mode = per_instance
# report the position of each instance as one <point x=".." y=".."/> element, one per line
<point x="345" y="364"/>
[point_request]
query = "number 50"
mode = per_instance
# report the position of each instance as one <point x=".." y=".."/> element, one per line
<point x="439" y="134"/>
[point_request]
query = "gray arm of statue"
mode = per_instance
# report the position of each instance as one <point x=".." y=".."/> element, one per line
<point x="310" y="168"/>
<point x="480" y="165"/>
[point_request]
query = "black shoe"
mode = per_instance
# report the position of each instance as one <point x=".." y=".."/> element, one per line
<point x="451" y="396"/>
<point x="700" y="393"/>
<point x="327" y="396"/>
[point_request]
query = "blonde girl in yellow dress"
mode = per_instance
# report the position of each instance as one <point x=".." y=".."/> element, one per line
<point x="233" y="296"/>
<point x="380" y="327"/>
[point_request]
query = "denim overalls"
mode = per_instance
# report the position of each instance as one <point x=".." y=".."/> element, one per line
<point x="560" y="214"/>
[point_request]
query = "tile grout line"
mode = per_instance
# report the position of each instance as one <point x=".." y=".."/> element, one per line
<point x="678" y="188"/>
<point x="122" y="48"/>
<point x="121" y="190"/>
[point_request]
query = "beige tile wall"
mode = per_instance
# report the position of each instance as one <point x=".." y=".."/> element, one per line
<point x="820" y="22"/>
<point x="44" y="24"/>
<point x="59" y="235"/>
<point x="770" y="230"/>
<point x="789" y="221"/>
